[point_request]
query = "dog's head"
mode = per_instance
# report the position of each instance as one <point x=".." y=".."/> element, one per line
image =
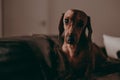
<point x="72" y="26"/>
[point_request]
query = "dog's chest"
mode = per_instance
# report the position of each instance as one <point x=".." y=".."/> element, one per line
<point x="79" y="61"/>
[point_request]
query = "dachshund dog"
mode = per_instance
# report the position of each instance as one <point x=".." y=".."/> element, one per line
<point x="82" y="54"/>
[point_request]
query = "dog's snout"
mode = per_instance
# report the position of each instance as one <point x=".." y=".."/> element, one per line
<point x="71" y="39"/>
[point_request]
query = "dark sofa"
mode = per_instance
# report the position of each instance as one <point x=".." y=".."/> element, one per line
<point x="29" y="58"/>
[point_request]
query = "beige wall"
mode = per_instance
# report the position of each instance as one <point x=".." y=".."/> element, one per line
<point x="25" y="17"/>
<point x="105" y="15"/>
<point x="0" y="18"/>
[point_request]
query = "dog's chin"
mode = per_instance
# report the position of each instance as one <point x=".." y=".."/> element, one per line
<point x="72" y="43"/>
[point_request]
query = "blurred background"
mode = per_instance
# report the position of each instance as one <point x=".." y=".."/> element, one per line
<point x="27" y="17"/>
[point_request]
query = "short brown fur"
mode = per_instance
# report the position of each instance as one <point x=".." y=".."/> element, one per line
<point x="79" y="48"/>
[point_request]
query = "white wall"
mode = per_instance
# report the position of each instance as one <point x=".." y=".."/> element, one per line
<point x="105" y="15"/>
<point x="0" y="18"/>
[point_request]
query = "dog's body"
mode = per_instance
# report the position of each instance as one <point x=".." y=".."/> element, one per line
<point x="82" y="55"/>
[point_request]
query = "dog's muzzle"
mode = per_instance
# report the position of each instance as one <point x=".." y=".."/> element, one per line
<point x="71" y="39"/>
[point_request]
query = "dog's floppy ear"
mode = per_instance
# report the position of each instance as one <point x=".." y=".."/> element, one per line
<point x="89" y="28"/>
<point x="61" y="28"/>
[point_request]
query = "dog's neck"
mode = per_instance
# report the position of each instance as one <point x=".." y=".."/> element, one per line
<point x="73" y="50"/>
<point x="69" y="49"/>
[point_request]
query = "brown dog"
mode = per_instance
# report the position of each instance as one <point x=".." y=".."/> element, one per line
<point x="83" y="56"/>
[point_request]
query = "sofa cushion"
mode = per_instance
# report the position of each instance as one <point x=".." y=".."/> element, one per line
<point x="32" y="58"/>
<point x="112" y="45"/>
<point x="46" y="46"/>
<point x="17" y="61"/>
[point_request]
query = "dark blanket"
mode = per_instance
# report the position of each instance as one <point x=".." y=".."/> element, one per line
<point x="34" y="59"/>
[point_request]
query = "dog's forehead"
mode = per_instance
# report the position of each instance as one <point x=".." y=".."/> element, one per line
<point x="68" y="13"/>
<point x="76" y="13"/>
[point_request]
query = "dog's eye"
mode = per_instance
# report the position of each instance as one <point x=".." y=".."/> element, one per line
<point x="80" y="23"/>
<point x="66" y="21"/>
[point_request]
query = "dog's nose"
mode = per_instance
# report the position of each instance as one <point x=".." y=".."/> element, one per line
<point x="70" y="39"/>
